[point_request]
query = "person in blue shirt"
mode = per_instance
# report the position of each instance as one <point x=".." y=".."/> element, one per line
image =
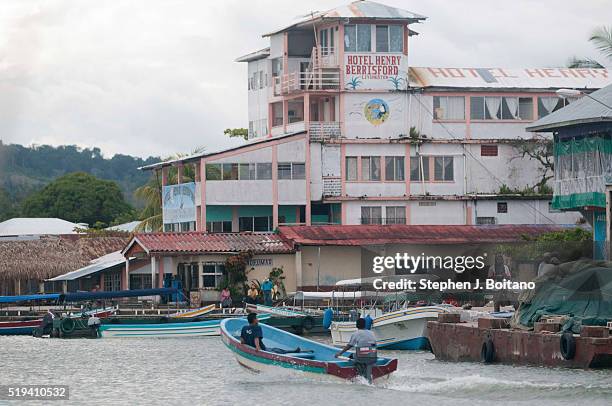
<point x="252" y="335"/>
<point x="266" y="288"/>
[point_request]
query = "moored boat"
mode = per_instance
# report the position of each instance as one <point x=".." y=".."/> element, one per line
<point x="19" y="327"/>
<point x="403" y="329"/>
<point x="314" y="359"/>
<point x="189" y="314"/>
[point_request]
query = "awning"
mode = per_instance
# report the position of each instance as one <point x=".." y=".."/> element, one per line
<point x="101" y="264"/>
<point x="79" y="296"/>
<point x="26" y="298"/>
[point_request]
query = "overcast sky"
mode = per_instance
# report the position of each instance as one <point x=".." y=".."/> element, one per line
<point x="155" y="77"/>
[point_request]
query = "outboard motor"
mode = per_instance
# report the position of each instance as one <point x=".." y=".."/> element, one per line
<point x="365" y="358"/>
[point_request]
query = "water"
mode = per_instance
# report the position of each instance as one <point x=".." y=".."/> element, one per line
<point x="200" y="371"/>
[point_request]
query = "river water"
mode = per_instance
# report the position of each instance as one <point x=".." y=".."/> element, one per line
<point x="200" y="371"/>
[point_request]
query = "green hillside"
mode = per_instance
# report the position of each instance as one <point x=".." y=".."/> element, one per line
<point x="24" y="170"/>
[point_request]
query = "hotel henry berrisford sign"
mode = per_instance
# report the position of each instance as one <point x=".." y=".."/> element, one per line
<point x="375" y="71"/>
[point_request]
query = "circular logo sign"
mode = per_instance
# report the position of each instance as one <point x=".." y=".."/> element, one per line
<point x="376" y="111"/>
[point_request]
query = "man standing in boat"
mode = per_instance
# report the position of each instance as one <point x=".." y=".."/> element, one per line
<point x="360" y="338"/>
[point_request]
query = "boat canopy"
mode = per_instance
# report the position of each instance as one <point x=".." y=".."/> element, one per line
<point x="336" y="295"/>
<point x="27" y="298"/>
<point x="79" y="296"/>
<point x="389" y="278"/>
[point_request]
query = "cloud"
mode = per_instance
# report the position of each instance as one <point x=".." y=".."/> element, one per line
<point x="155" y="77"/>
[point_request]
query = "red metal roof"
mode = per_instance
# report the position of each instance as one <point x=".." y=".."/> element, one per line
<point x="200" y="242"/>
<point x="410" y="234"/>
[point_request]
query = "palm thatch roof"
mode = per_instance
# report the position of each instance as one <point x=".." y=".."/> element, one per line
<point x="52" y="256"/>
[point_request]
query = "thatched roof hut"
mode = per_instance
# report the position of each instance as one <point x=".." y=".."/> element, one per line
<point x="51" y="256"/>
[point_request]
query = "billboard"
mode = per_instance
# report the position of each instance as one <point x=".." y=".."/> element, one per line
<point x="179" y="203"/>
<point x="375" y="71"/>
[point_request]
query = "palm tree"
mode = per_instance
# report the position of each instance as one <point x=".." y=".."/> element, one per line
<point x="602" y="39"/>
<point x="151" y="194"/>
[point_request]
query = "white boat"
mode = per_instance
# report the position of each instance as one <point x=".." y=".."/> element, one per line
<point x="188" y="314"/>
<point x="402" y="329"/>
<point x="274" y="311"/>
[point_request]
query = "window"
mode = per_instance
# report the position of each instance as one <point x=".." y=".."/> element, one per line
<point x="449" y="107"/>
<point x="264" y="171"/>
<point x="246" y="172"/>
<point x="486" y="220"/>
<point x="548" y="104"/>
<point x="284" y="171"/>
<point x="389" y="38"/>
<point x="277" y="114"/>
<point x="255" y="224"/>
<point x="419" y="168"/>
<point x="261" y="79"/>
<point x="427" y="204"/>
<point x="219" y="226"/>
<point x="502" y="207"/>
<point x="140" y="281"/>
<point x="371" y="215"/>
<point x="358" y="38"/>
<point x="443" y="168"/>
<point x="298" y="171"/>
<point x="277" y="67"/>
<point x="188" y="226"/>
<point x="351" y="168"/>
<point x="230" y="171"/>
<point x="212" y="275"/>
<point x="213" y="171"/>
<point x="112" y="281"/>
<point x="501" y="108"/>
<point x="370" y="168"/>
<point x="488" y="150"/>
<point x="394" y="168"/>
<point x="395" y="215"/>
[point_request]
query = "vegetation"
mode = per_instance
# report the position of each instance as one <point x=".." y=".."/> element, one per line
<point x="237" y="133"/>
<point x="277" y="277"/>
<point x="526" y="191"/>
<point x="540" y="149"/>
<point x="236" y="268"/>
<point x="574" y="234"/>
<point x="601" y="38"/>
<point x="80" y="197"/>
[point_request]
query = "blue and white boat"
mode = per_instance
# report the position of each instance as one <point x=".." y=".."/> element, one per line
<point x="314" y="358"/>
<point x="403" y="329"/>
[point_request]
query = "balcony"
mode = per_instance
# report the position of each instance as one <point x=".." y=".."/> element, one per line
<point x="324" y="57"/>
<point x="297" y="82"/>
<point x="332" y="186"/>
<point x="324" y="130"/>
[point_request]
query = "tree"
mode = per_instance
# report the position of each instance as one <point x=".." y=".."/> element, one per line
<point x="540" y="149"/>
<point x="237" y="132"/>
<point x="601" y="37"/>
<point x="80" y="198"/>
<point x="7" y="209"/>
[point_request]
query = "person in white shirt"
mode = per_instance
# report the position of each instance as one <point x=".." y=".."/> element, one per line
<point x="360" y="338"/>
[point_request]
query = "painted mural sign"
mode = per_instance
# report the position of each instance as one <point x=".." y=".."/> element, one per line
<point x="178" y="203"/>
<point x="260" y="262"/>
<point x="376" y="111"/>
<point x="375" y="71"/>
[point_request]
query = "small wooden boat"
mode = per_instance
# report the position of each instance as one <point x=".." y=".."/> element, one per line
<point x="190" y="314"/>
<point x="403" y="329"/>
<point x="315" y="359"/>
<point x="206" y="328"/>
<point x="274" y="311"/>
<point x="19" y="327"/>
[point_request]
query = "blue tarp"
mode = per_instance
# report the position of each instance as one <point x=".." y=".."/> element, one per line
<point x="25" y="298"/>
<point x="79" y="296"/>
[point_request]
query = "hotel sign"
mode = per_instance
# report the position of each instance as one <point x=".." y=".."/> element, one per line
<point x="375" y="71"/>
<point x="178" y="204"/>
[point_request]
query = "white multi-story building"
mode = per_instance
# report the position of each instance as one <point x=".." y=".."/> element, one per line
<point x="343" y="130"/>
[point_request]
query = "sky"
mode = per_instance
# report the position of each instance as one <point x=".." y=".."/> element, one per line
<point x="158" y="77"/>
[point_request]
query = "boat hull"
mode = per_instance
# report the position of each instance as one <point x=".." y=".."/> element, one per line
<point x="404" y="329"/>
<point x="188" y="329"/>
<point x="22" y="327"/>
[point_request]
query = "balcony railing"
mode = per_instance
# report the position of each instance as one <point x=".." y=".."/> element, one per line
<point x="324" y="57"/>
<point x="332" y="186"/>
<point x="306" y="81"/>
<point x="324" y="130"/>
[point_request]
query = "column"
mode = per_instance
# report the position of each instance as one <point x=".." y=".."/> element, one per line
<point x="164" y="172"/>
<point x="180" y="169"/>
<point x="160" y="282"/>
<point x="203" y="194"/>
<point x="274" y="187"/>
<point x="126" y="275"/>
<point x="298" y="270"/>
<point x="308" y="173"/>
<point x="153" y="270"/>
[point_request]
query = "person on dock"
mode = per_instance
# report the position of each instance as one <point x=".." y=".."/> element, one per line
<point x="266" y="288"/>
<point x="360" y="338"/>
<point x="252" y="294"/>
<point x="225" y="298"/>
<point x="252" y="335"/>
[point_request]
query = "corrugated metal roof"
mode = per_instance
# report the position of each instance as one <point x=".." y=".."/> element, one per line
<point x="37" y="226"/>
<point x="582" y="111"/>
<point x="253" y="56"/>
<point x="356" y="9"/>
<point x="99" y="264"/>
<point x="357" y="235"/>
<point x="507" y="78"/>
<point x="200" y="242"/>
